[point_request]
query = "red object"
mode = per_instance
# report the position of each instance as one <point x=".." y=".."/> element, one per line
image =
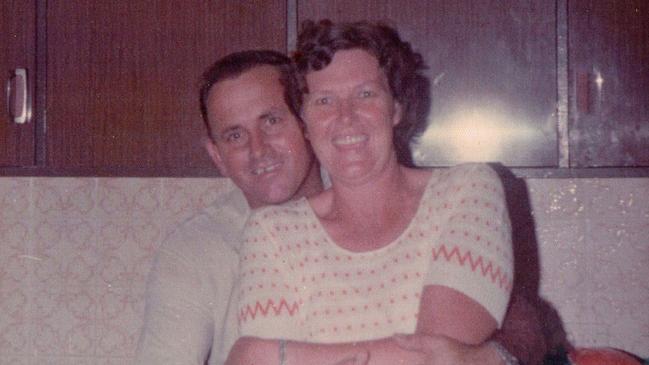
<point x="601" y="356"/>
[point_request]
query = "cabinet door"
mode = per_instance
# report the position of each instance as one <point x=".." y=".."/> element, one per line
<point x="123" y="77"/>
<point x="17" y="37"/>
<point x="609" y="79"/>
<point x="492" y="66"/>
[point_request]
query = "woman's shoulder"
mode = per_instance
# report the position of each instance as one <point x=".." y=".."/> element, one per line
<point x="471" y="172"/>
<point x="465" y="178"/>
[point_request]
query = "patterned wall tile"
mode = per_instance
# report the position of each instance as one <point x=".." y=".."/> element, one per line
<point x="15" y="197"/>
<point x="129" y="227"/>
<point x="182" y="198"/>
<point x="75" y="253"/>
<point x="64" y="198"/>
<point x="129" y="198"/>
<point x="66" y="253"/>
<point x="16" y="261"/>
<point x="16" y="360"/>
<point x="64" y="233"/>
<point x="64" y="321"/>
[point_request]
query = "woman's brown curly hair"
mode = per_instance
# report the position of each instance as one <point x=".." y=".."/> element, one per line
<point x="318" y="42"/>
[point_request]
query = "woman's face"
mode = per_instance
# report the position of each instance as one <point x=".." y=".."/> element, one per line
<point x="349" y="113"/>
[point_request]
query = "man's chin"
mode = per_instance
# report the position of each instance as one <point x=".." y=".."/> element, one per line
<point x="277" y="196"/>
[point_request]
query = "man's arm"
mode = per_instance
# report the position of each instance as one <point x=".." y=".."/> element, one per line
<point x="521" y="334"/>
<point x="187" y="297"/>
<point x="177" y="326"/>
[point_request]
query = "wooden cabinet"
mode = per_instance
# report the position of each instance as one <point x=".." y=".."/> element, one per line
<point x="492" y="65"/>
<point x="497" y="71"/>
<point x="123" y="76"/>
<point x="117" y="81"/>
<point x="609" y="78"/>
<point x="17" y="38"/>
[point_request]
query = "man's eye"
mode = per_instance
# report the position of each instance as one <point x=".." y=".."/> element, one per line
<point x="233" y="137"/>
<point x="367" y="93"/>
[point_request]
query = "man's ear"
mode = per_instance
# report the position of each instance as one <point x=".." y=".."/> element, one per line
<point x="215" y="155"/>
<point x="398" y="113"/>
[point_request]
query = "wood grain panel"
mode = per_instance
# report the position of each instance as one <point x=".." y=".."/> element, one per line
<point x="123" y="76"/>
<point x="609" y="82"/>
<point x="493" y="67"/>
<point x="17" y="37"/>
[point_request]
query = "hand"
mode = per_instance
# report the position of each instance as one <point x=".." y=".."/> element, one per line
<point x="361" y="358"/>
<point x="443" y="350"/>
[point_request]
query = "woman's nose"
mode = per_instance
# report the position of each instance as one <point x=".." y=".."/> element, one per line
<point x="346" y="110"/>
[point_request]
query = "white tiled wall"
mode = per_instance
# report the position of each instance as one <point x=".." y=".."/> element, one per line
<point x="593" y="237"/>
<point x="74" y="254"/>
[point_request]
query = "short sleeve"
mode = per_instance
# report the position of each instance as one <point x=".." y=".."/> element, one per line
<point x="269" y="294"/>
<point x="473" y="254"/>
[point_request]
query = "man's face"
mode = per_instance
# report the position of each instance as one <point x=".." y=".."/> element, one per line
<point x="258" y="142"/>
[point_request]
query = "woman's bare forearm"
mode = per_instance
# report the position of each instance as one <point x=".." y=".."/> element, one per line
<point x="257" y="351"/>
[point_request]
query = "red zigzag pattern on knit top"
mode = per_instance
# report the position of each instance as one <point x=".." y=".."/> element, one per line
<point x="249" y="312"/>
<point x="488" y="271"/>
<point x="497" y="275"/>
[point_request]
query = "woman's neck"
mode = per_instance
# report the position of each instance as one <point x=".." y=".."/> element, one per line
<point x="362" y="217"/>
<point x="363" y="200"/>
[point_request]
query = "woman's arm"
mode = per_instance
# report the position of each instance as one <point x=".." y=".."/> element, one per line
<point x="257" y="351"/>
<point x="469" y="281"/>
<point x="445" y="311"/>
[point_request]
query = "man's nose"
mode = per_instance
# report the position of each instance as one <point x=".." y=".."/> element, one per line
<point x="258" y="145"/>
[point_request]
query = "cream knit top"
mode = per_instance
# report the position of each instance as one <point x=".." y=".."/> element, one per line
<point x="297" y="284"/>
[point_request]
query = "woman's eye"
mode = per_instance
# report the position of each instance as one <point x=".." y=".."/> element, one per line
<point x="323" y="101"/>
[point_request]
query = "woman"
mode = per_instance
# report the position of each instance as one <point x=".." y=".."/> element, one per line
<point x="387" y="249"/>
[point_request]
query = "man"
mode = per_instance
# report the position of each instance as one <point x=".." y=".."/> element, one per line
<point x="257" y="142"/>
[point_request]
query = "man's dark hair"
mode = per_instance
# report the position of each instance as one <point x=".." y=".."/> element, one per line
<point x="403" y="67"/>
<point x="237" y="63"/>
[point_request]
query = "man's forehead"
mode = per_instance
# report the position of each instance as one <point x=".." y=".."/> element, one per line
<point x="252" y="117"/>
<point x="250" y="96"/>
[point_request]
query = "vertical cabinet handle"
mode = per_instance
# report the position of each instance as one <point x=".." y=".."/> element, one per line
<point x="18" y="102"/>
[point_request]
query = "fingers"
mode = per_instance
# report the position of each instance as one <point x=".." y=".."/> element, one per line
<point x="361" y="358"/>
<point x="414" y="342"/>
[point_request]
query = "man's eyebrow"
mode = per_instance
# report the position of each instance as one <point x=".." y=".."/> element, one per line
<point x="228" y="129"/>
<point x="266" y="115"/>
<point x="270" y="113"/>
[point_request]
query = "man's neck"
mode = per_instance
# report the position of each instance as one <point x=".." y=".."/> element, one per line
<point x="312" y="183"/>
